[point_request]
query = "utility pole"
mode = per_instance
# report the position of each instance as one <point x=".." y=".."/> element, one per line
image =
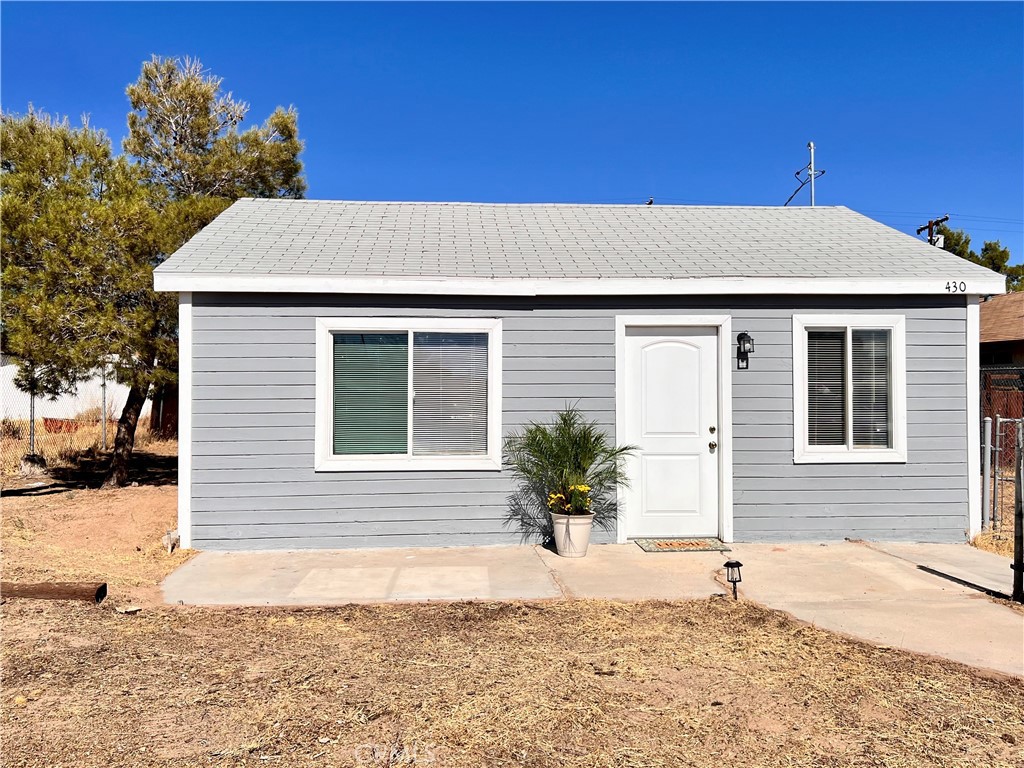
<point x="1018" y="517"/>
<point x="930" y="226"/>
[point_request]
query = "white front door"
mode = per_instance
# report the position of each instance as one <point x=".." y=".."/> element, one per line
<point x="671" y="413"/>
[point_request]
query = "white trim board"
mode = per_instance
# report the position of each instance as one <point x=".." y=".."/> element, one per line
<point x="723" y="324"/>
<point x="324" y="459"/>
<point x="974" y="511"/>
<point x="806" y="454"/>
<point x="185" y="420"/>
<point x="639" y="286"/>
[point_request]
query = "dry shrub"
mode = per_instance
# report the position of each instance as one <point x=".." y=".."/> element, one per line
<point x="12" y="429"/>
<point x="1000" y="542"/>
<point x="999" y="539"/>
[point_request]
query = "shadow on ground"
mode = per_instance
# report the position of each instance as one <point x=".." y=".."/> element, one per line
<point x="88" y="472"/>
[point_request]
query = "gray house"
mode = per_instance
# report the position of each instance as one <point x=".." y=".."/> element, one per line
<point x="348" y="370"/>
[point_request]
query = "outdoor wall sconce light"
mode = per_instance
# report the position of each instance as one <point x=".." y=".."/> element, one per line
<point x="744" y="347"/>
<point x="732" y="575"/>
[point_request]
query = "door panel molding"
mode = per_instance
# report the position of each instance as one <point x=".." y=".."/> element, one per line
<point x="723" y="327"/>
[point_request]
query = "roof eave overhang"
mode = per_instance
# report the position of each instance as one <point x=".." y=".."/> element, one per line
<point x="982" y="285"/>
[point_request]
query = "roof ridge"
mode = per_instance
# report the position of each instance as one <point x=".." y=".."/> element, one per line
<point x="470" y="203"/>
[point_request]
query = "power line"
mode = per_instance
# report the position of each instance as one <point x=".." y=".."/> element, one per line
<point x="916" y="214"/>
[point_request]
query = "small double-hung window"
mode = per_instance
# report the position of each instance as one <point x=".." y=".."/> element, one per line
<point x="408" y="394"/>
<point x="849" y="388"/>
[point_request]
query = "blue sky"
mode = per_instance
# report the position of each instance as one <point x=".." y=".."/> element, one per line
<point x="916" y="109"/>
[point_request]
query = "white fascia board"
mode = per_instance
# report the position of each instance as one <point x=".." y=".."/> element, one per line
<point x="974" y="510"/>
<point x="641" y="286"/>
<point x="185" y="420"/>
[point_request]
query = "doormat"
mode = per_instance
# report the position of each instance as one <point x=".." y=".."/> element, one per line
<point x="681" y="545"/>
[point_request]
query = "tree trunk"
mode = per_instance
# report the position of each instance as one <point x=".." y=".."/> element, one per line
<point x="124" y="443"/>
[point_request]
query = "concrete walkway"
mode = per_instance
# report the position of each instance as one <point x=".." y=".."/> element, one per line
<point x="876" y="592"/>
<point x="967" y="565"/>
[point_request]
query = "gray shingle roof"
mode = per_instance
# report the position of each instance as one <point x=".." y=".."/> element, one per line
<point x="503" y="241"/>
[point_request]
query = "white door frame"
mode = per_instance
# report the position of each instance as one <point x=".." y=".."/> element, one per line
<point x="723" y="324"/>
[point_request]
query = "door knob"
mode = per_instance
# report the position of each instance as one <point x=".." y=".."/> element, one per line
<point x="712" y="445"/>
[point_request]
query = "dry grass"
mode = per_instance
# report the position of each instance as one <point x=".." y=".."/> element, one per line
<point x="63" y="449"/>
<point x="702" y="683"/>
<point x="571" y="683"/>
<point x="1000" y="540"/>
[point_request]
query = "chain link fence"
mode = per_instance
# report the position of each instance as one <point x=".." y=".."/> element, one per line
<point x="1002" y="401"/>
<point x="61" y="430"/>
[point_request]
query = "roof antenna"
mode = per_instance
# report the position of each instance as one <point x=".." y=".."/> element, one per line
<point x="810" y="173"/>
<point x="650" y="201"/>
<point x="811" y="176"/>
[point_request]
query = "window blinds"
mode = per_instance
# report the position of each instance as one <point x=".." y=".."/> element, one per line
<point x="872" y="424"/>
<point x="371" y="393"/>
<point x="849" y="392"/>
<point x="449" y="393"/>
<point x="826" y="388"/>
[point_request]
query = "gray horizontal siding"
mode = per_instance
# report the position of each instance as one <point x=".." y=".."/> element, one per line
<point x="925" y="499"/>
<point x="253" y="398"/>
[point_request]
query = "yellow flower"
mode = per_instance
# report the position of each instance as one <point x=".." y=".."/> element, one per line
<point x="554" y="499"/>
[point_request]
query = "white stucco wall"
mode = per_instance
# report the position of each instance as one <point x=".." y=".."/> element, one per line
<point x="15" y="403"/>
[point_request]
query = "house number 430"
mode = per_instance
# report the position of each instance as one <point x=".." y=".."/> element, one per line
<point x="956" y="287"/>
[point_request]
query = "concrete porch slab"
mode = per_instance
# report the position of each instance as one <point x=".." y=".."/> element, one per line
<point x="609" y="571"/>
<point x="337" y="577"/>
<point x="626" y="572"/>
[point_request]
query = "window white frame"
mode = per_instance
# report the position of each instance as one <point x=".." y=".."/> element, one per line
<point x="324" y="458"/>
<point x="843" y="454"/>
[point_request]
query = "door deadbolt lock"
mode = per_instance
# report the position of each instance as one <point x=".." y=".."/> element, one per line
<point x="712" y="445"/>
<point x="711" y="430"/>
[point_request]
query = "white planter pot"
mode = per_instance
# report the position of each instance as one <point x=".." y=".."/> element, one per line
<point x="572" y="533"/>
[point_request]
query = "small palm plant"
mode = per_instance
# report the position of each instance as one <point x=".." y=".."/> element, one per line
<point x="567" y="467"/>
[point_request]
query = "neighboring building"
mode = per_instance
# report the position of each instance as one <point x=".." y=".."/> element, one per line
<point x="306" y="326"/>
<point x="1002" y="330"/>
<point x="85" y="401"/>
<point x="1002" y="358"/>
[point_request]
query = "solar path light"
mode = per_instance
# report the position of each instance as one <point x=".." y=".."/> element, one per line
<point x="732" y="575"/>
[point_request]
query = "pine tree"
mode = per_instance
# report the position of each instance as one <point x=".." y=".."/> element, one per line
<point x="80" y="230"/>
<point x="83" y="229"/>
<point x="993" y="255"/>
<point x="184" y="131"/>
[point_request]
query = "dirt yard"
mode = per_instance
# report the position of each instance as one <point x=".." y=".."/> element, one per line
<point x="93" y="535"/>
<point x="704" y="683"/>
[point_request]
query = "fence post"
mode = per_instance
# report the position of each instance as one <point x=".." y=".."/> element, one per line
<point x="997" y="510"/>
<point x="986" y="486"/>
<point x="1018" y="516"/>
<point x="103" y="407"/>
<point x="32" y="424"/>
